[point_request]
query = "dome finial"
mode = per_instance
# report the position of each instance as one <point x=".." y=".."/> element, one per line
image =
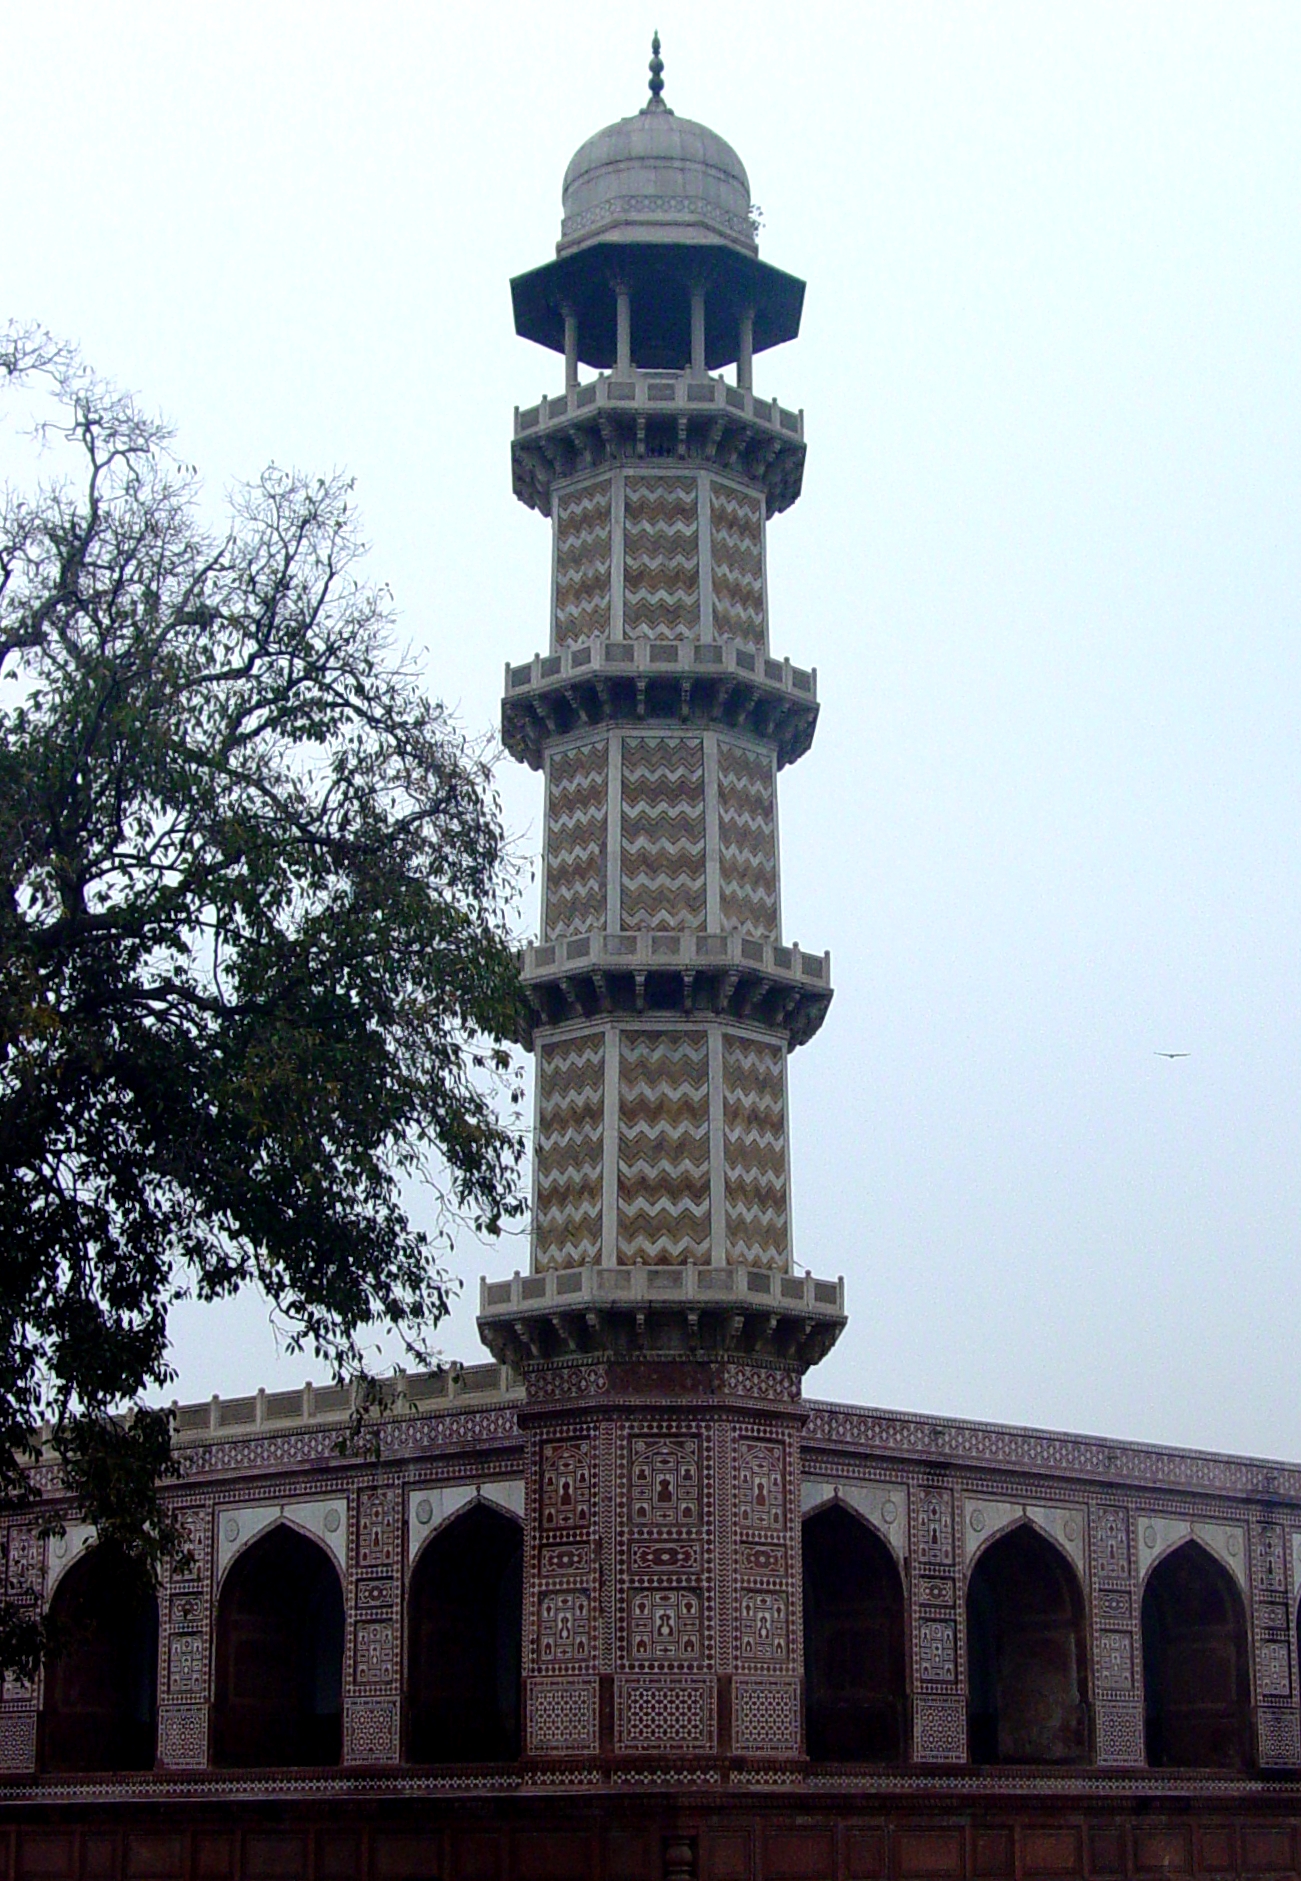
<point x="656" y="76"/>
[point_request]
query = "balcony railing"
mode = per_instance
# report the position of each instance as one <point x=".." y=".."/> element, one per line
<point x="658" y="392"/>
<point x="633" y="657"/>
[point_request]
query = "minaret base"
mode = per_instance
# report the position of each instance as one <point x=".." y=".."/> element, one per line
<point x="662" y="1579"/>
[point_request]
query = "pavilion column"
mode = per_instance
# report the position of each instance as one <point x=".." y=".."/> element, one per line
<point x="623" y="331"/>
<point x="745" y="351"/>
<point x="697" y="333"/>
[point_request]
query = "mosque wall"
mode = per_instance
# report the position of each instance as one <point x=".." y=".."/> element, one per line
<point x="1130" y="1532"/>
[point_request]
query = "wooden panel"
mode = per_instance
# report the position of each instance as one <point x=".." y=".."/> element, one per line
<point x="799" y="1855"/>
<point x="46" y="1855"/>
<point x="930" y="1852"/>
<point x="214" y="1856"/>
<point x="98" y="1862"/>
<point x="1050" y="1852"/>
<point x="154" y="1857"/>
<point x="476" y="1857"/>
<point x="993" y="1852"/>
<point x="338" y="1855"/>
<point x="540" y="1857"/>
<point x="630" y="1857"/>
<point x="1266" y="1850"/>
<point x="724" y="1856"/>
<point x="1162" y="1851"/>
<point x="1216" y="1851"/>
<point x="406" y="1857"/>
<point x="275" y="1857"/>
<point x="1106" y="1851"/>
<point x="866" y="1855"/>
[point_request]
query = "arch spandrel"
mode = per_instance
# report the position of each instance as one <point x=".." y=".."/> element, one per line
<point x="882" y="1506"/>
<point x="984" y="1520"/>
<point x="1160" y="1535"/>
<point x="430" y="1510"/>
<point x="76" y="1538"/>
<point x="323" y="1520"/>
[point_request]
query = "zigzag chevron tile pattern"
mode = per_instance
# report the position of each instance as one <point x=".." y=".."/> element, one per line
<point x="571" y="1115"/>
<point x="663" y="833"/>
<point x="754" y="1138"/>
<point x="663" y="1147"/>
<point x="736" y="554"/>
<point x="747" y="844"/>
<point x="578" y="786"/>
<point x="583" y="564"/>
<point x="661" y="559"/>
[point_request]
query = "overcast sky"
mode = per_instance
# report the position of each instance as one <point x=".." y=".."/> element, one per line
<point x="1046" y="564"/>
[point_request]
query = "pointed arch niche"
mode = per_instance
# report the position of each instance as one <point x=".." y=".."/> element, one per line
<point x="1027" y="1668"/>
<point x="464" y="1625"/>
<point x="1196" y="1675"/>
<point x="100" y="1705"/>
<point x="279" y="1658"/>
<point x="855" y="1678"/>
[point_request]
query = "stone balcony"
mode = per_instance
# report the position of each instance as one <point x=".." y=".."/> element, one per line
<point x="723" y="975"/>
<point x="716" y="682"/>
<point x="688" y="1311"/>
<point x="657" y="415"/>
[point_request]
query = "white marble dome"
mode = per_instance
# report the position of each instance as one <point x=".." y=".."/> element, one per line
<point x="656" y="177"/>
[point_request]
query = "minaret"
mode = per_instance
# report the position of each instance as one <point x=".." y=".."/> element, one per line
<point x="662" y="1331"/>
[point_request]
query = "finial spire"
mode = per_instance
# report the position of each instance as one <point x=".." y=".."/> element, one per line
<point x="656" y="76"/>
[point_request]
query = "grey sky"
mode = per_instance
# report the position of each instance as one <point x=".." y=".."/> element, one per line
<point x="1046" y="563"/>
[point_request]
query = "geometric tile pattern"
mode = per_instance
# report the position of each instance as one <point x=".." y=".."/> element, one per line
<point x="568" y="1153"/>
<point x="663" y="834"/>
<point x="561" y="1716"/>
<point x="747" y="842"/>
<point x="663" y="1147"/>
<point x="736" y="543"/>
<point x="938" y="1634"/>
<point x="1278" y="1723"/>
<point x="664" y="1713"/>
<point x="370" y="1731"/>
<point x="578" y="786"/>
<point x="766" y="1716"/>
<point x="583" y="564"/>
<point x="1115" y="1642"/>
<point x="661" y="597"/>
<point x="754" y="1135"/>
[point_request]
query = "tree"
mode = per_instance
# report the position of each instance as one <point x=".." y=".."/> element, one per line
<point x="255" y="970"/>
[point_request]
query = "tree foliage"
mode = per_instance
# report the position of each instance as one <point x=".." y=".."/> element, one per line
<point x="255" y="971"/>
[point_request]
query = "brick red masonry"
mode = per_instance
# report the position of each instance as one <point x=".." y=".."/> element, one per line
<point x="621" y="1838"/>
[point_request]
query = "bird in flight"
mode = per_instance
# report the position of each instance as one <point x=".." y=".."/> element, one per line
<point x="1172" y="1054"/>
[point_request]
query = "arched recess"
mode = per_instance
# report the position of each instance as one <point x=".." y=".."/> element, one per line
<point x="278" y="1695"/>
<point x="464" y="1623"/>
<point x="855" y="1682"/>
<point x="100" y="1703"/>
<point x="1196" y="1673"/>
<point x="1027" y="1662"/>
